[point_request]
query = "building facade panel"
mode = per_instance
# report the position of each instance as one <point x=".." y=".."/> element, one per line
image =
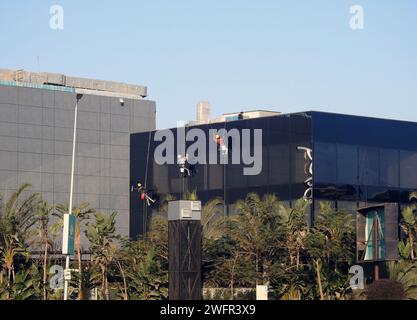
<point x="36" y="133"/>
<point x="357" y="161"/>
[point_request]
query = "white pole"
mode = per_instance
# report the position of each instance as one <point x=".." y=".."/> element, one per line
<point x="67" y="262"/>
<point x="67" y="259"/>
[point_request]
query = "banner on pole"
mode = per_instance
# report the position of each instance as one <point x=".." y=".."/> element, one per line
<point x="68" y="235"/>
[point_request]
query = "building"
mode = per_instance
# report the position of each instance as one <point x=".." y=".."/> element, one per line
<point x="356" y="161"/>
<point x="36" y="134"/>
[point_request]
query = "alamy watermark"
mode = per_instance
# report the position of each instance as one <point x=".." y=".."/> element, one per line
<point x="357" y="281"/>
<point x="56" y="281"/>
<point x="357" y="20"/>
<point x="221" y="146"/>
<point x="56" y="21"/>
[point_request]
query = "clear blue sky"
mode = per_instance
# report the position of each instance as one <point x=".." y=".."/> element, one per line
<point x="239" y="55"/>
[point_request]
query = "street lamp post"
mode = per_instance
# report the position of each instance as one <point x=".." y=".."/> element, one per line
<point x="67" y="258"/>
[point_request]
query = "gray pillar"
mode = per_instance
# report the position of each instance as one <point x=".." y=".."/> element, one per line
<point x="184" y="250"/>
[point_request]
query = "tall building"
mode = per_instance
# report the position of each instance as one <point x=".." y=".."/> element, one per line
<point x="351" y="161"/>
<point x="36" y="134"/>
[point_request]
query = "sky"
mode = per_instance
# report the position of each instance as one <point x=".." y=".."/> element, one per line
<point x="285" y="56"/>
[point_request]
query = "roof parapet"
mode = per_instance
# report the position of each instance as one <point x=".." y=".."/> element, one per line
<point x="57" y="79"/>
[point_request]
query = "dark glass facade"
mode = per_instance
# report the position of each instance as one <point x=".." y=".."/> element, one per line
<point x="356" y="161"/>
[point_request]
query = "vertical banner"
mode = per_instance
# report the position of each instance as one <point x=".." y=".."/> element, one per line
<point x="68" y="234"/>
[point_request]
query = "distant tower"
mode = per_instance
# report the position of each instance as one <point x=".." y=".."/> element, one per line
<point x="203" y="112"/>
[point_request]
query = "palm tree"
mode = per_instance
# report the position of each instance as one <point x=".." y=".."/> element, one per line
<point x="256" y="230"/>
<point x="42" y="216"/>
<point x="331" y="240"/>
<point x="24" y="286"/>
<point x="212" y="219"/>
<point x="296" y="229"/>
<point x="16" y="219"/>
<point x="404" y="272"/>
<point x="102" y="236"/>
<point x="409" y="226"/>
<point x="158" y="236"/>
<point x="145" y="275"/>
<point x="82" y="214"/>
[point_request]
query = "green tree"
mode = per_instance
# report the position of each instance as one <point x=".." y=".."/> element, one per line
<point x="404" y="272"/>
<point x="42" y="217"/>
<point x="25" y="285"/>
<point x="103" y="245"/>
<point x="409" y="226"/>
<point x="295" y="228"/>
<point x="256" y="230"/>
<point x="146" y="278"/>
<point x="16" y="219"/>
<point x="330" y="246"/>
<point x="213" y="220"/>
<point x="158" y="236"/>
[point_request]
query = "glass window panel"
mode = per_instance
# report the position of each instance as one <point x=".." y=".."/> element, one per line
<point x="375" y="229"/>
<point x="235" y="177"/>
<point x="389" y="167"/>
<point x="279" y="164"/>
<point x="324" y="159"/>
<point x="408" y="169"/>
<point x="368" y="166"/>
<point x="215" y="175"/>
<point x="347" y="164"/>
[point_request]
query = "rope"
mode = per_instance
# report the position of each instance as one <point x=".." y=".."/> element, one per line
<point x="224" y="174"/>
<point x="145" y="208"/>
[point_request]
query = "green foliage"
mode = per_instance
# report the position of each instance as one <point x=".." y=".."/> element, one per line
<point x="404" y="249"/>
<point x="16" y="219"/>
<point x="146" y="280"/>
<point x="158" y="236"/>
<point x="330" y="249"/>
<point x="263" y="242"/>
<point x="409" y="227"/>
<point x="102" y="236"/>
<point x="25" y="285"/>
<point x="256" y="231"/>
<point x="404" y="272"/>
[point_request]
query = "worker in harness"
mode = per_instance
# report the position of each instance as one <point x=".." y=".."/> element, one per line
<point x="221" y="145"/>
<point x="144" y="194"/>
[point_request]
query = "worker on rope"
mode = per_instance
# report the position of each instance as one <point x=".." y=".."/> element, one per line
<point x="221" y="145"/>
<point x="144" y="194"/>
<point x="186" y="169"/>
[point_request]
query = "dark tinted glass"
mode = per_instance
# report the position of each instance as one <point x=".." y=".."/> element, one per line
<point x="368" y="166"/>
<point x="279" y="164"/>
<point x="347" y="164"/>
<point x="408" y="169"/>
<point x="324" y="159"/>
<point x="389" y="167"/>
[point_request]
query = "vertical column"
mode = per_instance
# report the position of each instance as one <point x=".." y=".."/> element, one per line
<point x="184" y="250"/>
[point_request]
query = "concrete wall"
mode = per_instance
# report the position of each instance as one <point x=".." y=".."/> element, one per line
<point x="36" y="131"/>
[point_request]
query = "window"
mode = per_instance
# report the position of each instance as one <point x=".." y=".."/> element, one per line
<point x="389" y="167"/>
<point x="368" y="166"/>
<point x="375" y="231"/>
<point x="279" y="164"/>
<point x="324" y="159"/>
<point x="347" y="164"/>
<point x="408" y="169"/>
<point x="215" y="175"/>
